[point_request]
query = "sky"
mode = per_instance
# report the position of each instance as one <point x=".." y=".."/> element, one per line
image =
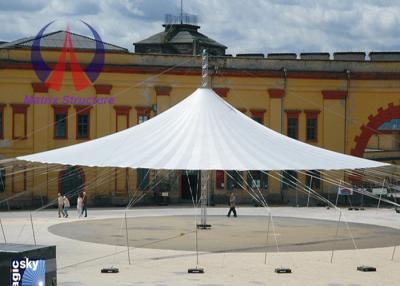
<point x="252" y="26"/>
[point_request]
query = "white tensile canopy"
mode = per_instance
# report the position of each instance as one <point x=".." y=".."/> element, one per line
<point x="202" y="132"/>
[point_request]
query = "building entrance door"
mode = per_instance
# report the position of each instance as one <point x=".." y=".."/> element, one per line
<point x="71" y="183"/>
<point x="190" y="182"/>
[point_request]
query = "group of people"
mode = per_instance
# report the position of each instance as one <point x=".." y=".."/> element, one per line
<point x="81" y="205"/>
<point x="64" y="205"/>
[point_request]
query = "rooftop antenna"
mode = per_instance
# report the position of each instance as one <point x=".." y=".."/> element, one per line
<point x="181" y="12"/>
<point x="204" y="69"/>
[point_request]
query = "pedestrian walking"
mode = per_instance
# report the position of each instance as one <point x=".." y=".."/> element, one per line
<point x="79" y="205"/>
<point x="60" y="202"/>
<point x="232" y="204"/>
<point x="84" y="204"/>
<point x="66" y="206"/>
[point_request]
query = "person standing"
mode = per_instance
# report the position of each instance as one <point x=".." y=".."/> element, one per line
<point x="232" y="204"/>
<point x="79" y="205"/>
<point x="66" y="206"/>
<point x="84" y="204"/>
<point x="60" y="202"/>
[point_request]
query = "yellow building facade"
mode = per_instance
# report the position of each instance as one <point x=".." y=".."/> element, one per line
<point x="339" y="104"/>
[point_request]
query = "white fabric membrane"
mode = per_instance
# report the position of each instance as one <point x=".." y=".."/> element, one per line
<point x="202" y="132"/>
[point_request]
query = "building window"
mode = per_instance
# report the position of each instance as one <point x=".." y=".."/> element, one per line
<point x="292" y="128"/>
<point x="60" y="121"/>
<point x="293" y="124"/>
<point x="142" y="183"/>
<point x="258" y="115"/>
<point x="83" y="122"/>
<point x="289" y="179"/>
<point x="234" y="180"/>
<point x="257" y="180"/>
<point x="60" y="125"/>
<point x="220" y="179"/>
<point x="313" y="179"/>
<point x="311" y="129"/>
<point x="20" y="123"/>
<point x="142" y="118"/>
<point x="2" y="121"/>
<point x="312" y="125"/>
<point x="258" y="119"/>
<point x="2" y="179"/>
<point x="143" y="114"/>
<point x="83" y="126"/>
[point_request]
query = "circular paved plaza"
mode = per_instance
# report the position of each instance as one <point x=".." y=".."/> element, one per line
<point x="242" y="234"/>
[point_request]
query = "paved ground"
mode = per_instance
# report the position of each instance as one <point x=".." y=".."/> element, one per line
<point x="79" y="262"/>
<point x="242" y="234"/>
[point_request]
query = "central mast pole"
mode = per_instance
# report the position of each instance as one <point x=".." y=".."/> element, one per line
<point x="204" y="175"/>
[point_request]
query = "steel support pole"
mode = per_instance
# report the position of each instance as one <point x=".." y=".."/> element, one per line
<point x="204" y="177"/>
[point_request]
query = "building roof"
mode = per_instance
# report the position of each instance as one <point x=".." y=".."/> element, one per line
<point x="179" y="34"/>
<point x="55" y="40"/>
